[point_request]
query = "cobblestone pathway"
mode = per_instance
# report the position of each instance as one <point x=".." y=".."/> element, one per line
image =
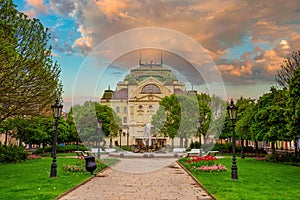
<point x="168" y="183"/>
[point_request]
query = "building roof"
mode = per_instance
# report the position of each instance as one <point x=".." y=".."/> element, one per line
<point x="179" y="91"/>
<point x="146" y="70"/>
<point x="121" y="94"/>
<point x="107" y="94"/>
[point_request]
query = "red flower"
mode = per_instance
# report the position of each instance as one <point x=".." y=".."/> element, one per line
<point x="203" y="158"/>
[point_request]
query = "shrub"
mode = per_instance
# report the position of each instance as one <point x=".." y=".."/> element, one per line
<point x="127" y="148"/>
<point x="287" y="158"/>
<point x="12" y="154"/>
<point x="60" y="149"/>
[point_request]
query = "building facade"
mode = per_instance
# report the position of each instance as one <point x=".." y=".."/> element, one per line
<point x="137" y="98"/>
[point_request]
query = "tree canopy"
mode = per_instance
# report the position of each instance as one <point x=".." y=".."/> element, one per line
<point x="29" y="78"/>
<point x="86" y="118"/>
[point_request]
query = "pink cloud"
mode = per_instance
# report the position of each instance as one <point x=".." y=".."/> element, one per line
<point x="38" y="5"/>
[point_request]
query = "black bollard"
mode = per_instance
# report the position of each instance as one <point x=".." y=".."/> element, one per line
<point x="90" y="164"/>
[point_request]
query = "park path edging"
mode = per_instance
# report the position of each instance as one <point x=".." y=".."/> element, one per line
<point x="84" y="182"/>
<point x="198" y="183"/>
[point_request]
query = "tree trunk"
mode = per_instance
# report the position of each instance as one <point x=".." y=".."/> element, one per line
<point x="256" y="146"/>
<point x="296" y="145"/>
<point x="172" y="143"/>
<point x="273" y="149"/>
<point x="186" y="141"/>
<point x="181" y="141"/>
<point x="6" y="135"/>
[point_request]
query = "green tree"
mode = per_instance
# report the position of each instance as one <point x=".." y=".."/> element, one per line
<point x="172" y="107"/>
<point x="36" y="130"/>
<point x="111" y="121"/>
<point x="269" y="121"/>
<point x="86" y="118"/>
<point x="293" y="108"/>
<point x="218" y="113"/>
<point x="188" y="115"/>
<point x="29" y="78"/>
<point x="244" y="119"/>
<point x="72" y="129"/>
<point x="177" y="115"/>
<point x="158" y="120"/>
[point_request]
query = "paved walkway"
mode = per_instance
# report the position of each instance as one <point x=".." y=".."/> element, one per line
<point x="167" y="183"/>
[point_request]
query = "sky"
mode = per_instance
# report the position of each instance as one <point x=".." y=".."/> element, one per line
<point x="211" y="44"/>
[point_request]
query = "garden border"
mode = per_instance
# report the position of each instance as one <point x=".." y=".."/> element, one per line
<point x="84" y="182"/>
<point x="197" y="182"/>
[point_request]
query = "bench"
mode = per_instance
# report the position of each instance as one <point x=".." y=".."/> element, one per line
<point x="110" y="150"/>
<point x="80" y="154"/>
<point x="213" y="153"/>
<point x="95" y="150"/>
<point x="179" y="150"/>
<point x="194" y="152"/>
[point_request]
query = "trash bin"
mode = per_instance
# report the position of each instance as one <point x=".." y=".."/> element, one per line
<point x="90" y="164"/>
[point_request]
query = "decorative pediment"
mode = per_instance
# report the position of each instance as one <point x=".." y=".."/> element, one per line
<point x="148" y="97"/>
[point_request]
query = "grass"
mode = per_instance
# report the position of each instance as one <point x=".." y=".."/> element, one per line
<point x="31" y="179"/>
<point x="256" y="180"/>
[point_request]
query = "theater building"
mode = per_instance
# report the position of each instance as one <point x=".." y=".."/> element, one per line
<point x="137" y="98"/>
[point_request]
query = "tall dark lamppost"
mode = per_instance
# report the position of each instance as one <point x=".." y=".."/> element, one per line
<point x="199" y="121"/>
<point x="56" y="108"/>
<point x="100" y="122"/>
<point x="232" y="111"/>
<point x="120" y="131"/>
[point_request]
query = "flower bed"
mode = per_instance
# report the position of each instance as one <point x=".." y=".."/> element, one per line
<point x="202" y="164"/>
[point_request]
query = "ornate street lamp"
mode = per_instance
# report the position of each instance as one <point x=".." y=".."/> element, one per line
<point x="199" y="121"/>
<point x="120" y="131"/>
<point x="56" y="108"/>
<point x="232" y="111"/>
<point x="100" y="122"/>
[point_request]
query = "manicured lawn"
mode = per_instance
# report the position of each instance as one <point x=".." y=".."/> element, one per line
<point x="256" y="180"/>
<point x="31" y="179"/>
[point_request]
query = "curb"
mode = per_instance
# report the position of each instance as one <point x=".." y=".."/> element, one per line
<point x="74" y="188"/>
<point x="84" y="182"/>
<point x="198" y="183"/>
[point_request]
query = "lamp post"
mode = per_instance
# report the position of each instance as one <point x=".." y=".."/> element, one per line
<point x="56" y="108"/>
<point x="232" y="111"/>
<point x="199" y="121"/>
<point x="120" y="131"/>
<point x="100" y="122"/>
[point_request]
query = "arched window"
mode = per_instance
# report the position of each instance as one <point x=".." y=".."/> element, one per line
<point x="151" y="88"/>
<point x="125" y="109"/>
<point x="125" y="120"/>
<point x="117" y="109"/>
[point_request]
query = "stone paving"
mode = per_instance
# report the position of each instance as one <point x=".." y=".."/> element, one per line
<point x="166" y="183"/>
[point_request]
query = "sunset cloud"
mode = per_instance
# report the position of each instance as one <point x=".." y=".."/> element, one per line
<point x="272" y="29"/>
<point x="38" y="5"/>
